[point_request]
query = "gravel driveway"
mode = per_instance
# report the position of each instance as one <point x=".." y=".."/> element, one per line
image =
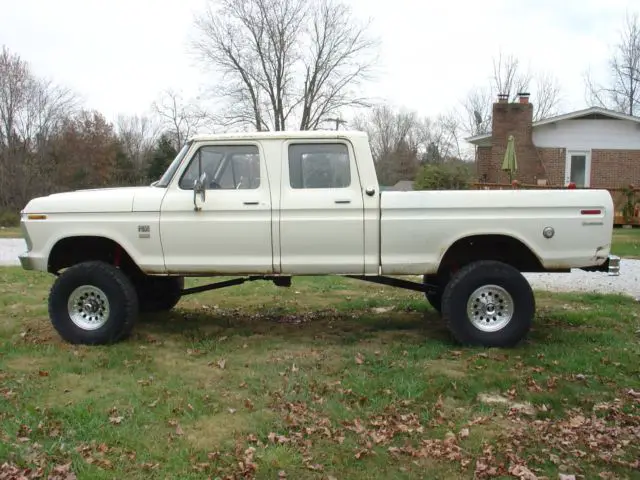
<point x="578" y="280"/>
<point x="10" y="248"/>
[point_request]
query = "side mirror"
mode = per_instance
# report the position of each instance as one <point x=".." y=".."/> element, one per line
<point x="199" y="187"/>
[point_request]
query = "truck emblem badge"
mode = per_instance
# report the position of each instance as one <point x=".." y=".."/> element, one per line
<point x="144" y="231"/>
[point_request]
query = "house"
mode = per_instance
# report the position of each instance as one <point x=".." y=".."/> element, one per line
<point x="595" y="147"/>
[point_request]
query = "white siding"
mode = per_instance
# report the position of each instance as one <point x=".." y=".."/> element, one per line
<point x="589" y="134"/>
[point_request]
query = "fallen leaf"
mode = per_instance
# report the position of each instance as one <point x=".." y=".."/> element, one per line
<point x="248" y="404"/>
<point x="577" y="421"/>
<point x="522" y="472"/>
<point x="464" y="433"/>
<point x="493" y="399"/>
<point x="562" y="476"/>
<point x="381" y="309"/>
<point x="43" y="373"/>
<point x="222" y="363"/>
<point x="633" y="393"/>
<point x="116" y="420"/>
<point x="179" y="430"/>
<point x="359" y="359"/>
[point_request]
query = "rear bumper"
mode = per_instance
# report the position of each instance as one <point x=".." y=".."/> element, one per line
<point x="611" y="266"/>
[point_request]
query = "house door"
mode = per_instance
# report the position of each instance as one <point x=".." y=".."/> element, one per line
<point x="578" y="168"/>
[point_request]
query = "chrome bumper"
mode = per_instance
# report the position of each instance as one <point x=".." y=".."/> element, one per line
<point x="611" y="265"/>
<point x="26" y="261"/>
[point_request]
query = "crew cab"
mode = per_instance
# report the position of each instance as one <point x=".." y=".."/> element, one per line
<point x="273" y="205"/>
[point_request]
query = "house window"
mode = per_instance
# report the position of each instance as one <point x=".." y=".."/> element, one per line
<point x="578" y="168"/>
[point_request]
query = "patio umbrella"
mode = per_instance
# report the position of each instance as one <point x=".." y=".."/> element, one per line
<point x="510" y="162"/>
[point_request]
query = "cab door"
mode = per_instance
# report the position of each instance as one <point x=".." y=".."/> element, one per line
<point x="321" y="209"/>
<point x="230" y="233"/>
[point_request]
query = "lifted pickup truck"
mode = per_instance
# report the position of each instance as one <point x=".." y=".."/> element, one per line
<point x="269" y="206"/>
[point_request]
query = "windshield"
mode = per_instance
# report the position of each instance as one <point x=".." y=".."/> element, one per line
<point x="168" y="175"/>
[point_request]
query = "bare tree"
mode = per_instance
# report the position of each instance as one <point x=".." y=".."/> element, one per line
<point x="622" y="91"/>
<point x="548" y="96"/>
<point x="508" y="76"/>
<point x="284" y="59"/>
<point x="137" y="135"/>
<point x="475" y="118"/>
<point x="181" y="118"/>
<point x="31" y="112"/>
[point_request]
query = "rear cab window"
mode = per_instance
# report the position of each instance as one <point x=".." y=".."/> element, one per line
<point x="319" y="165"/>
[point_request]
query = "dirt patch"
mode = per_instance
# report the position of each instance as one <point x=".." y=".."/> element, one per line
<point x="211" y="432"/>
<point x="203" y="369"/>
<point x="24" y="364"/>
<point x="448" y="368"/>
<point x="494" y="399"/>
<point x="71" y="388"/>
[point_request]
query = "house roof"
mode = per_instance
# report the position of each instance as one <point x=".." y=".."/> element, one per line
<point x="593" y="112"/>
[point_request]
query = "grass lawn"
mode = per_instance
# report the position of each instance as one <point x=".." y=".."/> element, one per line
<point x="10" y="232"/>
<point x="626" y="242"/>
<point x="331" y="378"/>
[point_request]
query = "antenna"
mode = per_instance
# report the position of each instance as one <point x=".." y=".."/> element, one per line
<point x="338" y="122"/>
<point x="478" y="117"/>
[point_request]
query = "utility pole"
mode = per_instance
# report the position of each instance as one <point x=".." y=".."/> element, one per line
<point x="338" y="121"/>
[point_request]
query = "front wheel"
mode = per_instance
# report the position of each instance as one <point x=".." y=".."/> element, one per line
<point x="93" y="303"/>
<point x="488" y="303"/>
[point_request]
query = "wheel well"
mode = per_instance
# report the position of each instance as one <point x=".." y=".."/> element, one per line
<point x="490" y="247"/>
<point x="73" y="250"/>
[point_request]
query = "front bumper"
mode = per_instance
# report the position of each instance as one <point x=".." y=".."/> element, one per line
<point x="611" y="266"/>
<point x="33" y="262"/>
<point x="27" y="262"/>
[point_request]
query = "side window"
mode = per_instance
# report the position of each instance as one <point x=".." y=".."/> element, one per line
<point x="230" y="167"/>
<point x="319" y="165"/>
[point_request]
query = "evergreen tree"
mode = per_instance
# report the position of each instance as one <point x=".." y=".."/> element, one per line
<point x="163" y="155"/>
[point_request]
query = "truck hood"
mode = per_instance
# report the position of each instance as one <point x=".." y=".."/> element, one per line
<point x="103" y="200"/>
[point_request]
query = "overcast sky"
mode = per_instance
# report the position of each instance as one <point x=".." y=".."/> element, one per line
<point x="119" y="54"/>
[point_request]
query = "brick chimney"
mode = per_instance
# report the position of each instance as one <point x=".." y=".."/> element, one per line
<point x="515" y="118"/>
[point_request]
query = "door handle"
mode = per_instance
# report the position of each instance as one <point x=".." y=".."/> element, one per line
<point x="250" y="203"/>
<point x="343" y="201"/>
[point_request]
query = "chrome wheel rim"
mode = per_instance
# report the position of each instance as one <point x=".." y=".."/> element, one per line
<point x="490" y="308"/>
<point x="88" y="307"/>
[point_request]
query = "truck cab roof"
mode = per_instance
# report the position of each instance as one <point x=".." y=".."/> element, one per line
<point x="280" y="135"/>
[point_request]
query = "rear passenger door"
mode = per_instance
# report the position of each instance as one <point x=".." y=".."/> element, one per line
<point x="321" y="209"/>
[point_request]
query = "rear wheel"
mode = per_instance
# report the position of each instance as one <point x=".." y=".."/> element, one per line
<point x="159" y="294"/>
<point x="93" y="303"/>
<point x="488" y="303"/>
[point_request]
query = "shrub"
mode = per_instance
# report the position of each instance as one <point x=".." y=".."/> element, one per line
<point x="9" y="218"/>
<point x="443" y="177"/>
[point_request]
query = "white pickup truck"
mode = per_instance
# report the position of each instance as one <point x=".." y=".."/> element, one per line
<point x="275" y="205"/>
